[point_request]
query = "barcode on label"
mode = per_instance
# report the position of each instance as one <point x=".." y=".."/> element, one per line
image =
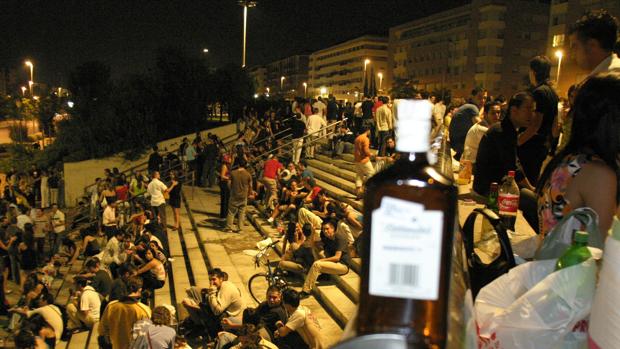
<point x="404" y="275"/>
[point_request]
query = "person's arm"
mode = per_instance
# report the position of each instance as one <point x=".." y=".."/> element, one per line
<point x="600" y="197"/>
<point x="531" y="130"/>
<point x="219" y="302"/>
<point x="148" y="266"/>
<point x="335" y="258"/>
<point x="352" y="220"/>
<point x="223" y="173"/>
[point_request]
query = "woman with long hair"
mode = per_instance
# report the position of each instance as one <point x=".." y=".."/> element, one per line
<point x="585" y="172"/>
<point x="175" y="198"/>
<point x="152" y="272"/>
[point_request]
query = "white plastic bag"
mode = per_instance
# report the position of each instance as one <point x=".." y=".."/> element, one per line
<point x="533" y="307"/>
<point x="605" y="319"/>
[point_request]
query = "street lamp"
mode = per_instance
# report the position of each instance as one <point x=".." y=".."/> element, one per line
<point x="246" y="4"/>
<point x="205" y="50"/>
<point x="29" y="64"/>
<point x="23" y="90"/>
<point x="282" y="83"/>
<point x="30" y="84"/>
<point x="380" y="75"/>
<point x="366" y="62"/>
<point x="305" y="88"/>
<point x="559" y="54"/>
<point x="267" y="90"/>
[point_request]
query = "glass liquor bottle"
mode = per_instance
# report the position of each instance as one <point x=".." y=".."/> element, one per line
<point x="409" y="221"/>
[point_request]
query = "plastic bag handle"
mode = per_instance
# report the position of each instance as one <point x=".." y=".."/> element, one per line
<point x="500" y="231"/>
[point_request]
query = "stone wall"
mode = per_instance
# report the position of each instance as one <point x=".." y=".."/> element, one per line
<point x="80" y="174"/>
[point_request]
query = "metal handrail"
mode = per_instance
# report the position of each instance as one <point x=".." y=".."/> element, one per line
<point x="272" y="136"/>
<point x="265" y="154"/>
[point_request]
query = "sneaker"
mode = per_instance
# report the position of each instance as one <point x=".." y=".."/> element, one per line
<point x="270" y="220"/>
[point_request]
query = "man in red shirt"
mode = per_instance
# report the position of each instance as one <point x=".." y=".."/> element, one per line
<point x="363" y="166"/>
<point x="271" y="172"/>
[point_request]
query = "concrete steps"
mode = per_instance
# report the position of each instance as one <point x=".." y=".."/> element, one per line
<point x="340" y="297"/>
<point x="225" y="250"/>
<point x="333" y="166"/>
<point x="334" y="180"/>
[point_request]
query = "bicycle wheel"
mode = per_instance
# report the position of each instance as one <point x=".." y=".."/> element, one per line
<point x="258" y="285"/>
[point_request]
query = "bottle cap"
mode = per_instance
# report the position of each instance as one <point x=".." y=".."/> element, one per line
<point x="581" y="236"/>
<point x="511" y="173"/>
<point x="494" y="186"/>
<point x="413" y="125"/>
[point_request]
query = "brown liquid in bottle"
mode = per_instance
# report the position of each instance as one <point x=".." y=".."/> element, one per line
<point x="422" y="321"/>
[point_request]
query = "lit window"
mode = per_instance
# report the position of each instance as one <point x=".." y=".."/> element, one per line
<point x="558" y="40"/>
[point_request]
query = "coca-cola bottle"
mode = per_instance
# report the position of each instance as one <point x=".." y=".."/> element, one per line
<point x="508" y="201"/>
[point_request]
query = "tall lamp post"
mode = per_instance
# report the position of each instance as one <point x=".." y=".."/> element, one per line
<point x="380" y="75"/>
<point x="282" y="78"/>
<point x="31" y="82"/>
<point x="559" y="54"/>
<point x="246" y="4"/>
<point x="305" y="88"/>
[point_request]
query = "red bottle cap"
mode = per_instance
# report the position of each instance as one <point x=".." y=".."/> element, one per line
<point x="511" y="173"/>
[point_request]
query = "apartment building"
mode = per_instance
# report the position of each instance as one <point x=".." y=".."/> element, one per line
<point x="486" y="43"/>
<point x="563" y="14"/>
<point x="286" y="77"/>
<point x="340" y="69"/>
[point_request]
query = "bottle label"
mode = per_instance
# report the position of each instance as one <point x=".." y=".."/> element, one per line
<point x="405" y="250"/>
<point x="508" y="204"/>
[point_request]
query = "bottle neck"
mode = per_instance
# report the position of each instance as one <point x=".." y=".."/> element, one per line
<point x="414" y="157"/>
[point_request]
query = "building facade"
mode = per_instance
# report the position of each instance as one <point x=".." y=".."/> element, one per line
<point x="486" y="43"/>
<point x="340" y="69"/>
<point x="563" y="14"/>
<point x="286" y="77"/>
<point x="259" y="75"/>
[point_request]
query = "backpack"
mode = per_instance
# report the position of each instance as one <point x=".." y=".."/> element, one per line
<point x="141" y="331"/>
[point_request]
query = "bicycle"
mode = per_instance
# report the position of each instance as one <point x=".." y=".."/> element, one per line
<point x="259" y="282"/>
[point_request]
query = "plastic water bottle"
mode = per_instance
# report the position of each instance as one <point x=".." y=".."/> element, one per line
<point x="577" y="253"/>
<point x="508" y="201"/>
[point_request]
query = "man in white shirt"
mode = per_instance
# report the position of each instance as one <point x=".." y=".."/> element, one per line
<point x="492" y="115"/>
<point x="320" y="106"/>
<point x="385" y="123"/>
<point x="593" y="37"/>
<point x="22" y="219"/>
<point x="156" y="190"/>
<point x="57" y="218"/>
<point x="301" y="320"/>
<point x="109" y="220"/>
<point x="113" y="255"/>
<point x="314" y="125"/>
<point x="439" y="110"/>
<point x="83" y="310"/>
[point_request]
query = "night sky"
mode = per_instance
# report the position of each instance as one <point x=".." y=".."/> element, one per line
<point x="60" y="34"/>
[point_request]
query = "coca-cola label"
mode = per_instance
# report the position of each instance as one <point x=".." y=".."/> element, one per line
<point x="508" y="204"/>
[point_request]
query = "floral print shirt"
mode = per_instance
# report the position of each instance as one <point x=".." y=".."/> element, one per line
<point x="552" y="204"/>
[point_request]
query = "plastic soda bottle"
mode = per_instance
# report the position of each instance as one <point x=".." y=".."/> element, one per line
<point x="577" y="253"/>
<point x="508" y="201"/>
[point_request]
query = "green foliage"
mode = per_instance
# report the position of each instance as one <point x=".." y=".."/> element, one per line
<point x="18" y="133"/>
<point x="403" y="88"/>
<point x="129" y="115"/>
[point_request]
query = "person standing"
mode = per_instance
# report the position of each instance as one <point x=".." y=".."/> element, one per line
<point x="464" y="118"/>
<point x="54" y="184"/>
<point x="57" y="219"/>
<point x="240" y="190"/>
<point x="156" y="189"/>
<point x="314" y="126"/>
<point x="175" y="198"/>
<point x="298" y="129"/>
<point x="155" y="161"/>
<point x="536" y="141"/>
<point x="385" y="123"/>
<point x="224" y="185"/>
<point x="271" y="173"/>
<point x="45" y="191"/>
<point x="210" y="166"/>
<point x="363" y="166"/>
